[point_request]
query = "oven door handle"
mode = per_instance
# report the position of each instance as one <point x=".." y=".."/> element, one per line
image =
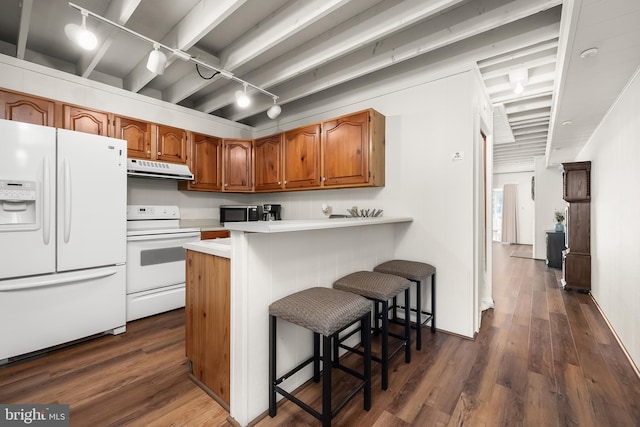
<point x="168" y="236"/>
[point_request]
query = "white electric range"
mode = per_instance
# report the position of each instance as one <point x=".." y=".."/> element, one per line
<point x="155" y="259"/>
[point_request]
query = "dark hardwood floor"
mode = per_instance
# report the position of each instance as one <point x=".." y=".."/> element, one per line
<point x="543" y="357"/>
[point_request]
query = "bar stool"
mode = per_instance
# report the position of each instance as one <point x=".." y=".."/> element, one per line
<point x="326" y="312"/>
<point x="380" y="288"/>
<point x="417" y="272"/>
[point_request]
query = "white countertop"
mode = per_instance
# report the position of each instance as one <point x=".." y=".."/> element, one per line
<point x="216" y="247"/>
<point x="310" y="224"/>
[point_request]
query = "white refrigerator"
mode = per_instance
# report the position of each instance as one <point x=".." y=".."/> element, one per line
<point x="62" y="237"/>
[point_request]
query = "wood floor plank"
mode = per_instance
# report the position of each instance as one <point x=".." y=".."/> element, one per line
<point x="543" y="357"/>
<point x="541" y="403"/>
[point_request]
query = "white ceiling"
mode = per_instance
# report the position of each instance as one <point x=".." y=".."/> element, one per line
<point x="298" y="49"/>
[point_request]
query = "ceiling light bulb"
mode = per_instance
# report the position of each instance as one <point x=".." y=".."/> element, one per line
<point x="157" y="61"/>
<point x="518" y="89"/>
<point x="81" y="35"/>
<point x="242" y="99"/>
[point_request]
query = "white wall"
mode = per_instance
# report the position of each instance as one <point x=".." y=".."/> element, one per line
<point x="614" y="153"/>
<point x="525" y="204"/>
<point x="548" y="200"/>
<point x="431" y="112"/>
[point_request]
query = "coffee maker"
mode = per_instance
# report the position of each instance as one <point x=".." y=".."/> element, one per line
<point x="271" y="212"/>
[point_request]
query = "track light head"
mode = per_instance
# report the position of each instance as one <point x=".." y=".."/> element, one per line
<point x="274" y="111"/>
<point x="157" y="60"/>
<point x="80" y="35"/>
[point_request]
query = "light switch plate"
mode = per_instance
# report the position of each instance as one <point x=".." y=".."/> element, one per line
<point x="457" y="155"/>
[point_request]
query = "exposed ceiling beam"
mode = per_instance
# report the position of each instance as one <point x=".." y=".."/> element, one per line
<point x="290" y="20"/>
<point x="191" y="82"/>
<point x="519" y="53"/>
<point x="118" y="11"/>
<point x="345" y="38"/>
<point x="200" y="20"/>
<point x="25" y="20"/>
<point x="463" y="22"/>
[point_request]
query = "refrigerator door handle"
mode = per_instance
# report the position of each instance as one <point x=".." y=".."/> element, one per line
<point x="67" y="200"/>
<point x="46" y="201"/>
<point x="32" y="284"/>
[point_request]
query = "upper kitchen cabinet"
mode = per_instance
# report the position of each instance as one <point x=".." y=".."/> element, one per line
<point x="206" y="164"/>
<point x="353" y="150"/>
<point x="171" y="144"/>
<point x="138" y="136"/>
<point x="302" y="157"/>
<point x="237" y="164"/>
<point x="152" y="142"/>
<point x="576" y="181"/>
<point x="267" y="154"/>
<point x="26" y="109"/>
<point x="87" y="121"/>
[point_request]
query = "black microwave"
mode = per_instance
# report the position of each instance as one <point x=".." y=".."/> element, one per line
<point x="240" y="213"/>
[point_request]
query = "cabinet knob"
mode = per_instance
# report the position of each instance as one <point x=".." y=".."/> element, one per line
<point x="226" y="185"/>
<point x="285" y="183"/>
<point x="279" y="182"/>
<point x="159" y="153"/>
<point x="148" y="151"/>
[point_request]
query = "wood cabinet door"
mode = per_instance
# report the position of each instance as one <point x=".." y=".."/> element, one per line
<point x="206" y="162"/>
<point x="87" y="121"/>
<point x="579" y="227"/>
<point x="237" y="164"/>
<point x="137" y="134"/>
<point x="171" y="144"/>
<point x="208" y="321"/>
<point x="26" y="109"/>
<point x="302" y="157"/>
<point x="345" y="150"/>
<point x="268" y="163"/>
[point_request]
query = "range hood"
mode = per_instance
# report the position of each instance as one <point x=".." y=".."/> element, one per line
<point x="151" y="169"/>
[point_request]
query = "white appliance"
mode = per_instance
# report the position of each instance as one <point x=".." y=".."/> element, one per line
<point x="62" y="236"/>
<point x="155" y="260"/>
<point x="153" y="169"/>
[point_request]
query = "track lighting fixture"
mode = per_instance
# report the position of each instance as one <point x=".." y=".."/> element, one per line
<point x="80" y="34"/>
<point x="274" y="111"/>
<point x="157" y="60"/>
<point x="242" y="99"/>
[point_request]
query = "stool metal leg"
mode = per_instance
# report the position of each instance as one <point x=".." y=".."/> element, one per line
<point x="433" y="303"/>
<point x="316" y="357"/>
<point x="407" y="326"/>
<point x="385" y="344"/>
<point x="365" y="324"/>
<point x="326" y="381"/>
<point x="418" y="314"/>
<point x="272" y="366"/>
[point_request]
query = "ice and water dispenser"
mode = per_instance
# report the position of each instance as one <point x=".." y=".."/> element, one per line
<point x="18" y="201"/>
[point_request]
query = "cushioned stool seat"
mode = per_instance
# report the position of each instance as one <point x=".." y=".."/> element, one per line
<point x="380" y="288"/>
<point x="417" y="272"/>
<point x="326" y="312"/>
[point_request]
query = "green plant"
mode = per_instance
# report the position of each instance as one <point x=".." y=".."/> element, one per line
<point x="559" y="216"/>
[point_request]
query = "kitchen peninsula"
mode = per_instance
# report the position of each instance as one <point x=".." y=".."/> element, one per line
<point x="267" y="260"/>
